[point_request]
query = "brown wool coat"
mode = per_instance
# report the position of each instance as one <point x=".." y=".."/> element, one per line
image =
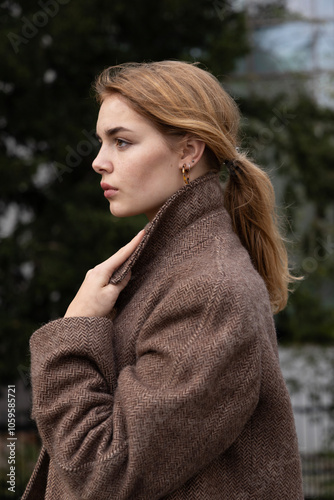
<point x="181" y="396"/>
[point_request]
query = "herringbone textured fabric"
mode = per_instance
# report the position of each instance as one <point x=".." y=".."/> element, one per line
<point x="181" y="396"/>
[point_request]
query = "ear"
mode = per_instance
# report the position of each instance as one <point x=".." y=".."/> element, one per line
<point x="191" y="151"/>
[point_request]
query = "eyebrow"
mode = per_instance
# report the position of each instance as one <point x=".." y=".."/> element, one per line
<point x="113" y="131"/>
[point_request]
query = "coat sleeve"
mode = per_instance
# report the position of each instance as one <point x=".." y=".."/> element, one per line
<point x="145" y="432"/>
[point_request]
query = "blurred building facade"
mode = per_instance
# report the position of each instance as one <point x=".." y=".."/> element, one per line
<point x="292" y="47"/>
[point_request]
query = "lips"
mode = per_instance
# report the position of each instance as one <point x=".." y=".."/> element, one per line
<point x="109" y="191"/>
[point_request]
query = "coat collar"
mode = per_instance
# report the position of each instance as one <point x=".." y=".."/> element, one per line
<point x="184" y="207"/>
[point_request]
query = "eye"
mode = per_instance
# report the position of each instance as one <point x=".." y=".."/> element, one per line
<point x="121" y="143"/>
<point x="98" y="138"/>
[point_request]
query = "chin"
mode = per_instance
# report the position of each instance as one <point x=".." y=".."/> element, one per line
<point x="119" y="212"/>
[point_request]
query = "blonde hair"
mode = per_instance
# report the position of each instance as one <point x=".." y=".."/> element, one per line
<point x="180" y="98"/>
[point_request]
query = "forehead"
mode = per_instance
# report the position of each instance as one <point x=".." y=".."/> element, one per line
<point x="115" y="111"/>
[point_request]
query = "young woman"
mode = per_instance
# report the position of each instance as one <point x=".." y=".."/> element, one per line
<point x="163" y="379"/>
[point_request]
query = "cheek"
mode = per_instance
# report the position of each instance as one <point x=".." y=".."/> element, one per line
<point x="154" y="164"/>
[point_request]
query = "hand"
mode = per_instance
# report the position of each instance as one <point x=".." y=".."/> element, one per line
<point x="96" y="297"/>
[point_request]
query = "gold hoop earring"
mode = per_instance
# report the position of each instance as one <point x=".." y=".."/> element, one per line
<point x="185" y="173"/>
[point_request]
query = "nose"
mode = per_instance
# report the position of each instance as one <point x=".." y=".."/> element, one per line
<point x="102" y="162"/>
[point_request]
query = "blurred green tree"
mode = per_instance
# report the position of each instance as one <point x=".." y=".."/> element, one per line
<point x="55" y="224"/>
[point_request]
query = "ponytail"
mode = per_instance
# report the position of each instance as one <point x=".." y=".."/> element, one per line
<point x="250" y="200"/>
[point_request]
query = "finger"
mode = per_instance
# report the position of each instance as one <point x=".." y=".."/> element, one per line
<point x="123" y="253"/>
